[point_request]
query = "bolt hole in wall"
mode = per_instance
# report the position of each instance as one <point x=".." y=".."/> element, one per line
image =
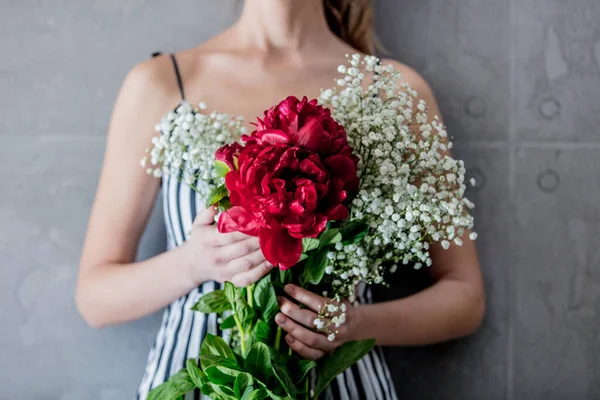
<point x="518" y="82"/>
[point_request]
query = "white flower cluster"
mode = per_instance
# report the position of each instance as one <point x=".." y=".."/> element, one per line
<point x="187" y="144"/>
<point x="411" y="190"/>
<point x="331" y="317"/>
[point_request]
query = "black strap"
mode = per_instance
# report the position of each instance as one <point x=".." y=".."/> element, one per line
<point x="178" y="75"/>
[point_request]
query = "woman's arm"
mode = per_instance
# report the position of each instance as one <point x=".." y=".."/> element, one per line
<point x="112" y="288"/>
<point x="452" y="307"/>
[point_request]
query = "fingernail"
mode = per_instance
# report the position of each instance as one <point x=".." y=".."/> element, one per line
<point x="269" y="265"/>
<point x="289" y="288"/>
<point x="290" y="339"/>
<point x="280" y="318"/>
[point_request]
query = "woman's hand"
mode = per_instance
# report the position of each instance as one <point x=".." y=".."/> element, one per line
<point x="299" y="323"/>
<point x="233" y="257"/>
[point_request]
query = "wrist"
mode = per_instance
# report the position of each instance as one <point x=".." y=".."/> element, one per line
<point x="187" y="260"/>
<point x="360" y="326"/>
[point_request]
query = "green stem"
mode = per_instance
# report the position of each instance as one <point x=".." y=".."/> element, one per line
<point x="277" y="338"/>
<point x="250" y="295"/>
<point x="242" y="336"/>
<point x="306" y="388"/>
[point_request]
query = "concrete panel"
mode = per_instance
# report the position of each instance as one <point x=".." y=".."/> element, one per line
<point x="529" y="68"/>
<point x="462" y="49"/>
<point x="473" y="368"/>
<point x="48" y="350"/>
<point x="62" y="64"/>
<point x="557" y="69"/>
<point x="557" y="279"/>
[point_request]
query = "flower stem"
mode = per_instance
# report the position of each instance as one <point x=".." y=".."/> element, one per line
<point x="306" y="388"/>
<point x="250" y="295"/>
<point x="277" y="338"/>
<point x="242" y="336"/>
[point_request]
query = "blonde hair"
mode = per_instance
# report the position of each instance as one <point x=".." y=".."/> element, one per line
<point x="352" y="21"/>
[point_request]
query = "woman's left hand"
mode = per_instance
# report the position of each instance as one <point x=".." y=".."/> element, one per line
<point x="299" y="323"/>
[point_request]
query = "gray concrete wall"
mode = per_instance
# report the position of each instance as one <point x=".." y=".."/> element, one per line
<point x="519" y="86"/>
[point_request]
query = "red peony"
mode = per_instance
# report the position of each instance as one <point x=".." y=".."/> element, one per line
<point x="292" y="176"/>
<point x="228" y="155"/>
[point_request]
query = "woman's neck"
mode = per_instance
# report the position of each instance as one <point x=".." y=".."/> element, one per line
<point x="282" y="25"/>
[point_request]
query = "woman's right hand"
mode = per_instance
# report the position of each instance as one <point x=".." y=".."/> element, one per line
<point x="233" y="257"/>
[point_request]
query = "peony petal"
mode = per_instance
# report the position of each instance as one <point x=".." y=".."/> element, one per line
<point x="311" y="135"/>
<point x="301" y="227"/>
<point x="341" y="166"/>
<point x="239" y="219"/>
<point x="337" y="213"/>
<point x="279" y="248"/>
<point x="314" y="169"/>
<point x="272" y="136"/>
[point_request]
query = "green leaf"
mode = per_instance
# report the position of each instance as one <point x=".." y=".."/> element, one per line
<point x="257" y="394"/>
<point x="214" y="345"/>
<point x="304" y="367"/>
<point x="221" y="168"/>
<point x="211" y="360"/>
<point x="231" y="292"/>
<point x="309" y="244"/>
<point x="247" y="392"/>
<point x="284" y="380"/>
<point x="213" y="302"/>
<point x="353" y="232"/>
<point x="228" y="322"/>
<point x="258" y="362"/>
<point x="224" y="204"/>
<point x="242" y="382"/>
<point x="337" y="362"/>
<point x="176" y="386"/>
<point x="245" y="313"/>
<point x="329" y="237"/>
<point x="314" y="268"/>
<point x="285" y="275"/>
<point x="222" y="375"/>
<point x="261" y="331"/>
<point x="218" y="392"/>
<point x="197" y="376"/>
<point x="303" y="257"/>
<point x="216" y="195"/>
<point x="265" y="299"/>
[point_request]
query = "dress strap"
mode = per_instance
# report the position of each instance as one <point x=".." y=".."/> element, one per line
<point x="178" y="75"/>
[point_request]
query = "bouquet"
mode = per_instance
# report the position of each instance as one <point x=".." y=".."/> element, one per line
<point x="339" y="191"/>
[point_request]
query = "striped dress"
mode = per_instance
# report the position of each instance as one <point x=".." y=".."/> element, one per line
<point x="182" y="330"/>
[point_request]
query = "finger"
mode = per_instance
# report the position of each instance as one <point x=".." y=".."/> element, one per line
<point x="306" y="336"/>
<point x="238" y="250"/>
<point x="302" y="349"/>
<point x="253" y="275"/>
<point x="225" y="239"/>
<point x="302" y="315"/>
<point x="309" y="299"/>
<point x="205" y="217"/>
<point x="246" y="263"/>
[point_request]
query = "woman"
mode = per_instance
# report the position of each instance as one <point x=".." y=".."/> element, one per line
<point x="277" y="48"/>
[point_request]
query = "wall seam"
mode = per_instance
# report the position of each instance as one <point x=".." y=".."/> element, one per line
<point x="512" y="139"/>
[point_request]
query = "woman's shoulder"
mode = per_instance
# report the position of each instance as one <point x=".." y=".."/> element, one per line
<point x="152" y="79"/>
<point x="413" y="78"/>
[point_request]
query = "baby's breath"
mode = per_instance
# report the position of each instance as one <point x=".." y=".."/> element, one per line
<point x="186" y="145"/>
<point x="411" y="191"/>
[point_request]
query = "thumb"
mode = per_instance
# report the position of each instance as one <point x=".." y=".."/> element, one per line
<point x="206" y="216"/>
